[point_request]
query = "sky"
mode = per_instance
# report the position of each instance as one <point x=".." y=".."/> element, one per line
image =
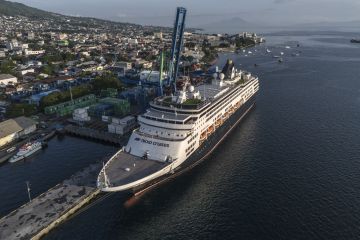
<point x="205" y="12"/>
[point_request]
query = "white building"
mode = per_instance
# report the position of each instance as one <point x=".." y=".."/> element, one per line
<point x="25" y="46"/>
<point x="81" y="114"/>
<point x="6" y="79"/>
<point x="158" y="35"/>
<point x="132" y="41"/>
<point x="30" y="52"/>
<point x="25" y="71"/>
<point x="12" y="44"/>
<point x="125" y="65"/>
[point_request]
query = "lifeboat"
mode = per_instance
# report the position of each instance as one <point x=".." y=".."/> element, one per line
<point x="225" y="116"/>
<point x="210" y="129"/>
<point x="237" y="105"/>
<point x="231" y="110"/>
<point x="218" y="122"/>
<point x="203" y="136"/>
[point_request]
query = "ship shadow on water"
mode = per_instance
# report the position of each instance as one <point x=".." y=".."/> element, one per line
<point x="126" y="213"/>
<point x="179" y="185"/>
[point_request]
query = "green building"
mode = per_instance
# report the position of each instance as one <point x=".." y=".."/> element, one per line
<point x="63" y="43"/>
<point x="66" y="108"/>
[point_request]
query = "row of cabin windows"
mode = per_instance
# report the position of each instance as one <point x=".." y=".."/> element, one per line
<point x="169" y="121"/>
<point x="162" y="120"/>
<point x="188" y="153"/>
<point x="220" y="104"/>
<point x="193" y="137"/>
<point x="191" y="146"/>
<point x="222" y="101"/>
<point x="246" y="94"/>
<point x="220" y="108"/>
<point x="162" y="133"/>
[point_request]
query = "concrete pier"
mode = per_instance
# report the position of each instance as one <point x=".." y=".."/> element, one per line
<point x="36" y="218"/>
<point x="95" y="134"/>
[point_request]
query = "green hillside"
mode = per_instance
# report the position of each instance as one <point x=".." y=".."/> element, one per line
<point x="19" y="9"/>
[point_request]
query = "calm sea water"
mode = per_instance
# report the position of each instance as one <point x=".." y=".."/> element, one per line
<point x="290" y="171"/>
<point x="61" y="159"/>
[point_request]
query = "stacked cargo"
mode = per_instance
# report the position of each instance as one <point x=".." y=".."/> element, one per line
<point x="121" y="106"/>
<point x="101" y="109"/>
<point x="81" y="115"/>
<point x="66" y="108"/>
<point x="122" y="126"/>
<point x="105" y="118"/>
<point x="109" y="92"/>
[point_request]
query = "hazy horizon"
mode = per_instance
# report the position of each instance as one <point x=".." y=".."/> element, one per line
<point x="160" y="12"/>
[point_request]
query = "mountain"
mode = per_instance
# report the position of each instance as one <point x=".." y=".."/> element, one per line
<point x="18" y="9"/>
<point x="8" y="8"/>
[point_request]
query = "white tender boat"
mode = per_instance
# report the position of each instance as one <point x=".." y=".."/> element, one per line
<point x="25" y="151"/>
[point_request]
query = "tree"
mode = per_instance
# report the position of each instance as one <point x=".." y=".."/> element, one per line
<point x="48" y="69"/>
<point x="21" y="109"/>
<point x="7" y="67"/>
<point x="59" y="97"/>
<point x="107" y="80"/>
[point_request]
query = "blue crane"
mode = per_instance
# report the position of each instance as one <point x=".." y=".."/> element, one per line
<point x="177" y="44"/>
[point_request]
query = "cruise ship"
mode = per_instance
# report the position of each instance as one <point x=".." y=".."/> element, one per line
<point x="179" y="131"/>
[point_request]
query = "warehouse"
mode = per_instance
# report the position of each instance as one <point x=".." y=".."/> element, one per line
<point x="12" y="129"/>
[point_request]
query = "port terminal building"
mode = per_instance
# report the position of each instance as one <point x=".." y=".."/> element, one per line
<point x="13" y="129"/>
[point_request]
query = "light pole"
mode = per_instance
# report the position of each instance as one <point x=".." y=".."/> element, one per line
<point x="28" y="190"/>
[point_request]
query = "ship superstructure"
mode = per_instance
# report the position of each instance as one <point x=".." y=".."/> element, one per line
<point x="179" y="130"/>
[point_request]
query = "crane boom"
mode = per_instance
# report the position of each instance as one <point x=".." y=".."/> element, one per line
<point x="177" y="44"/>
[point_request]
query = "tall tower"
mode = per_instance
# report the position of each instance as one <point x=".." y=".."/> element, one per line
<point x="177" y="44"/>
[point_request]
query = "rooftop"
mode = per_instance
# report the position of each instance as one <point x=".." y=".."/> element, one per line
<point x="12" y="126"/>
<point x="9" y="127"/>
<point x="6" y="76"/>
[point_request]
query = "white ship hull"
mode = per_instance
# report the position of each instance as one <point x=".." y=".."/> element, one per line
<point x="174" y="136"/>
<point x="17" y="157"/>
<point x="170" y="171"/>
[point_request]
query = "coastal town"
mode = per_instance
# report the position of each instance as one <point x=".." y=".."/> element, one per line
<point x="90" y="78"/>
<point x="58" y="73"/>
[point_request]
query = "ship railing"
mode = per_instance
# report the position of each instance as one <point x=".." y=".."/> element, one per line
<point x="161" y="102"/>
<point x="158" y="137"/>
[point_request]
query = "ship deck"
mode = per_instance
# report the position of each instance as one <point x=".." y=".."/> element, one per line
<point x="125" y="168"/>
